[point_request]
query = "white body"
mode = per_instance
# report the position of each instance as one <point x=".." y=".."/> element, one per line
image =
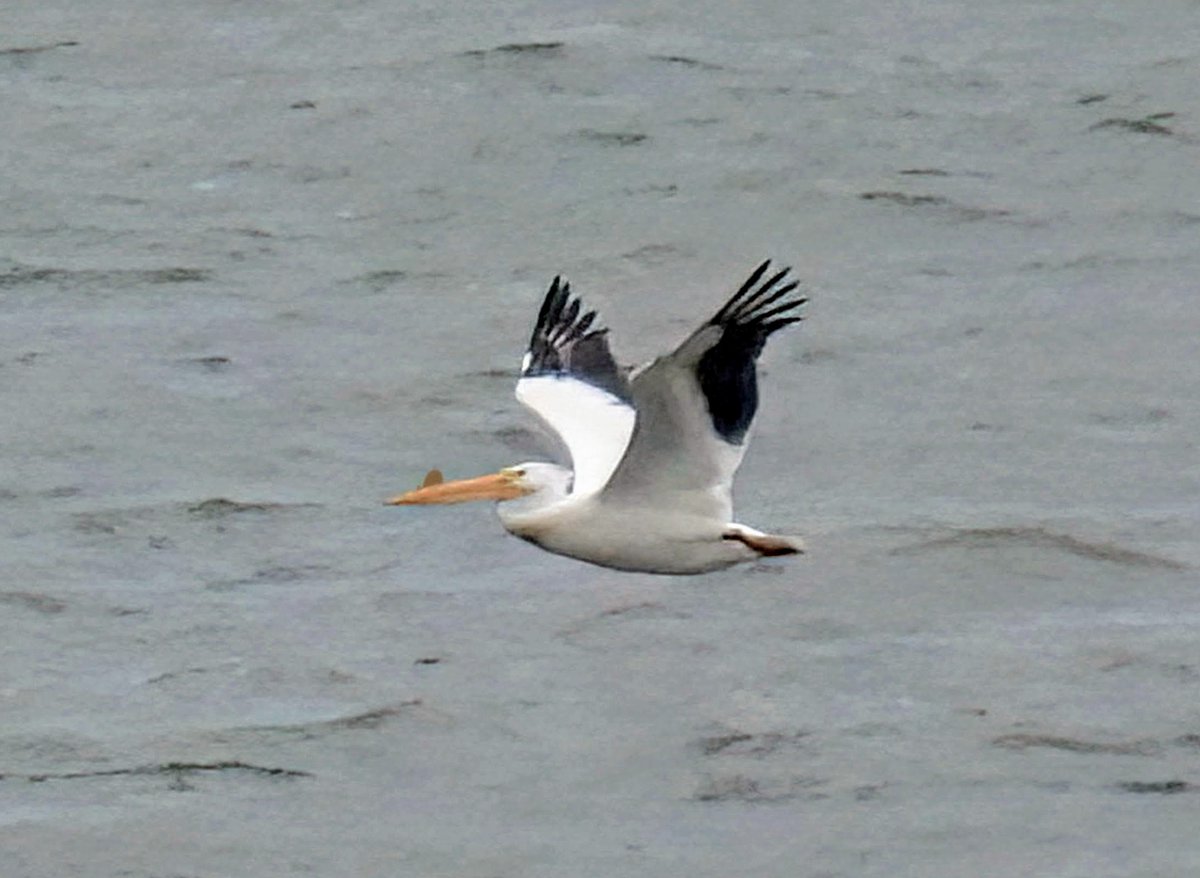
<point x="628" y="537"/>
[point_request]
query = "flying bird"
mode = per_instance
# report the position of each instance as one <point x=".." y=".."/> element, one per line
<point x="654" y="452"/>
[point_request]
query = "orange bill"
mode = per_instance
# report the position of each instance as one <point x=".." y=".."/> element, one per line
<point x="504" y="485"/>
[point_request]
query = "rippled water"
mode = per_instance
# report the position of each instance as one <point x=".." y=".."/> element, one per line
<point x="261" y="266"/>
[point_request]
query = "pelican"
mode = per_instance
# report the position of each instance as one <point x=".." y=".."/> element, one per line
<point x="654" y="452"/>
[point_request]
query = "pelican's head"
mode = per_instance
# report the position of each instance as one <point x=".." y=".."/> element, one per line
<point x="510" y="483"/>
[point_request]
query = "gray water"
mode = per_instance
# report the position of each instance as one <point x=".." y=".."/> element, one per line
<point x="264" y="264"/>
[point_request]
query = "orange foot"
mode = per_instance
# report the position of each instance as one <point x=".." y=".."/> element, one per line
<point x="766" y="544"/>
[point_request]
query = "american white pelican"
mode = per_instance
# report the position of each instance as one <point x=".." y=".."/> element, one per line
<point x="654" y="453"/>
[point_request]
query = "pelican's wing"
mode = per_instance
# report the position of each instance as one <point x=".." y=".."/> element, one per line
<point x="695" y="406"/>
<point x="570" y="380"/>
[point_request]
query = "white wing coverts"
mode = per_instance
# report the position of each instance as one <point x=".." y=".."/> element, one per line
<point x="571" y="382"/>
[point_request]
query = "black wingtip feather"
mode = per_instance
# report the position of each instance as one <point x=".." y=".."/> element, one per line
<point x="765" y="291"/>
<point x="745" y="288"/>
<point x="726" y="371"/>
<point x="766" y="315"/>
<point x="550" y="305"/>
<point x="565" y="344"/>
<point x="567" y="322"/>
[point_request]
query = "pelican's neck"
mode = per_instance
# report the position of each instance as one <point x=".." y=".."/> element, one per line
<point x="529" y="515"/>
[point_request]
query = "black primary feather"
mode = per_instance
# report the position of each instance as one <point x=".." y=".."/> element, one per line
<point x="726" y="372"/>
<point x="563" y="345"/>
